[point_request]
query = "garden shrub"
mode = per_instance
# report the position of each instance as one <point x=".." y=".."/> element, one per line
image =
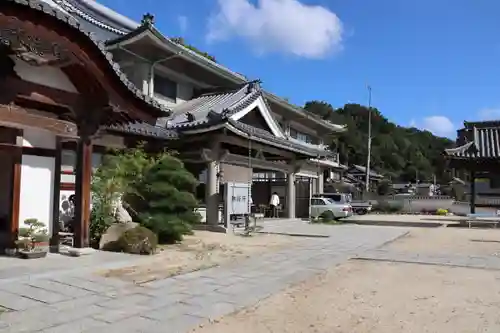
<point x="385" y="206"/>
<point x="167" y="200"/>
<point x="442" y="212"/>
<point x="138" y="240"/>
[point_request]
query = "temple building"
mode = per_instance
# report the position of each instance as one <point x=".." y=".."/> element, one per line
<point x="79" y="78"/>
<point x="478" y="153"/>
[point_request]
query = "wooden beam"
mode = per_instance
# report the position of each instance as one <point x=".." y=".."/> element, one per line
<point x="238" y="141"/>
<point x="14" y="116"/>
<point x="15" y="88"/>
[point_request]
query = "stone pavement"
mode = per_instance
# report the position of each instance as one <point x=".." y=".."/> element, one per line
<point x="75" y="301"/>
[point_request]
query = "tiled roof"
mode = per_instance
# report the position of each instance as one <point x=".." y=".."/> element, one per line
<point x="363" y="169"/>
<point x="483" y="142"/>
<point x="212" y="108"/>
<point x="213" y="111"/>
<point x="145" y="129"/>
<point x="44" y="8"/>
<point x="268" y="138"/>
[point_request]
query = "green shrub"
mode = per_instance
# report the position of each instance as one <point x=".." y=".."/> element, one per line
<point x="442" y="212"/>
<point x="24" y="232"/>
<point x="138" y="240"/>
<point x="385" y="206"/>
<point x="168" y="203"/>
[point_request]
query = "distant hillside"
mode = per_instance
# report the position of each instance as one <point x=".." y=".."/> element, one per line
<point x="397" y="152"/>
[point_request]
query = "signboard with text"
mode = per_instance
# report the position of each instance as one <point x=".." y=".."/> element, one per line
<point x="236" y="198"/>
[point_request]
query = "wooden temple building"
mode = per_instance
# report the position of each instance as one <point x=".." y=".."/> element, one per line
<point x="78" y="78"/>
<point x="478" y="153"/>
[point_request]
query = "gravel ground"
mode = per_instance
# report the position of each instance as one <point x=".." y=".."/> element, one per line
<point x="377" y="297"/>
<point x="383" y="297"/>
<point x="202" y="250"/>
<point x="450" y="240"/>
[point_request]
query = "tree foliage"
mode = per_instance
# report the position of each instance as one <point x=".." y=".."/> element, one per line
<point x="156" y="189"/>
<point x="168" y="203"/>
<point x="118" y="176"/>
<point x="181" y="41"/>
<point x="400" y="153"/>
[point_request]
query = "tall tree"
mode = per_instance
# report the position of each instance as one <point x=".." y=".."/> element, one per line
<point x="403" y="153"/>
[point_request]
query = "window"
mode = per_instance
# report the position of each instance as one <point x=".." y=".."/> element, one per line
<point x="317" y="202"/>
<point x="300" y="136"/>
<point x="165" y="87"/>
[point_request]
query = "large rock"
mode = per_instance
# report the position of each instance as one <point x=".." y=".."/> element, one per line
<point x="115" y="231"/>
<point x="122" y="215"/>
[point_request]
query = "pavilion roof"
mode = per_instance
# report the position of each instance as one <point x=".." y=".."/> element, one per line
<point x="480" y="140"/>
<point x="214" y="110"/>
<point x="145" y="129"/>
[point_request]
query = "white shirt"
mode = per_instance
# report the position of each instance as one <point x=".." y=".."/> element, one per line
<point x="275" y="200"/>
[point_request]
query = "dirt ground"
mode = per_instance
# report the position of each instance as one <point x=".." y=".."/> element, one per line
<point x="202" y="250"/>
<point x="377" y="297"/>
<point x="381" y="297"/>
<point x="450" y="240"/>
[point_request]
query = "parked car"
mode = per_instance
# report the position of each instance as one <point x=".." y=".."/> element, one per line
<point x="330" y="209"/>
<point x="358" y="207"/>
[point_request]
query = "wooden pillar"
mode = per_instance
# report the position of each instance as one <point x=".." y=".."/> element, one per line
<point x="212" y="197"/>
<point x="473" y="191"/>
<point x="83" y="178"/>
<point x="15" y="196"/>
<point x="54" y="239"/>
<point x="290" y="195"/>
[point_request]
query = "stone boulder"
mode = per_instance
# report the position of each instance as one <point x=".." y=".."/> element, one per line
<point x="115" y="231"/>
<point x="122" y="215"/>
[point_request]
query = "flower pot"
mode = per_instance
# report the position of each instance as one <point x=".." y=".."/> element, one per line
<point x="32" y="254"/>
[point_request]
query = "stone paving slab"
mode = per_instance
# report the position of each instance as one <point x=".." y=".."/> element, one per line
<point x="89" y="303"/>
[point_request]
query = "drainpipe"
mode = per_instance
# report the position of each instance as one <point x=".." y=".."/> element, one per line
<point x="153" y="64"/>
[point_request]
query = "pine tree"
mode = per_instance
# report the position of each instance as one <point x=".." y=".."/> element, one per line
<point x="168" y="201"/>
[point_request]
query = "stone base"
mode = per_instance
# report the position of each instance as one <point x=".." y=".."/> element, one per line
<point x="76" y="252"/>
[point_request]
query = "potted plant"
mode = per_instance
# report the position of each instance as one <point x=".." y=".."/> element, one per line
<point x="33" y="243"/>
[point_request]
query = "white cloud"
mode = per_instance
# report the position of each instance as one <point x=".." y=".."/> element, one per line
<point x="183" y="23"/>
<point x="489" y="114"/>
<point x="438" y="125"/>
<point x="286" y="26"/>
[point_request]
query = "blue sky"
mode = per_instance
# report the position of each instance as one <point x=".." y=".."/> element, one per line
<point x="431" y="64"/>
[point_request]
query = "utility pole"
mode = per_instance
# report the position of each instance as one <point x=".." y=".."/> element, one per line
<point x="368" y="157"/>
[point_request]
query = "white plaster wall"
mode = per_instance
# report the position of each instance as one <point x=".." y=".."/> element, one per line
<point x="44" y="75"/>
<point x="68" y="163"/>
<point x="37" y="186"/>
<point x="37" y="138"/>
<point x="138" y="75"/>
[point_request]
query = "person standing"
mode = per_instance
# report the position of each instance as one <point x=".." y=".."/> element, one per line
<point x="274" y="203"/>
